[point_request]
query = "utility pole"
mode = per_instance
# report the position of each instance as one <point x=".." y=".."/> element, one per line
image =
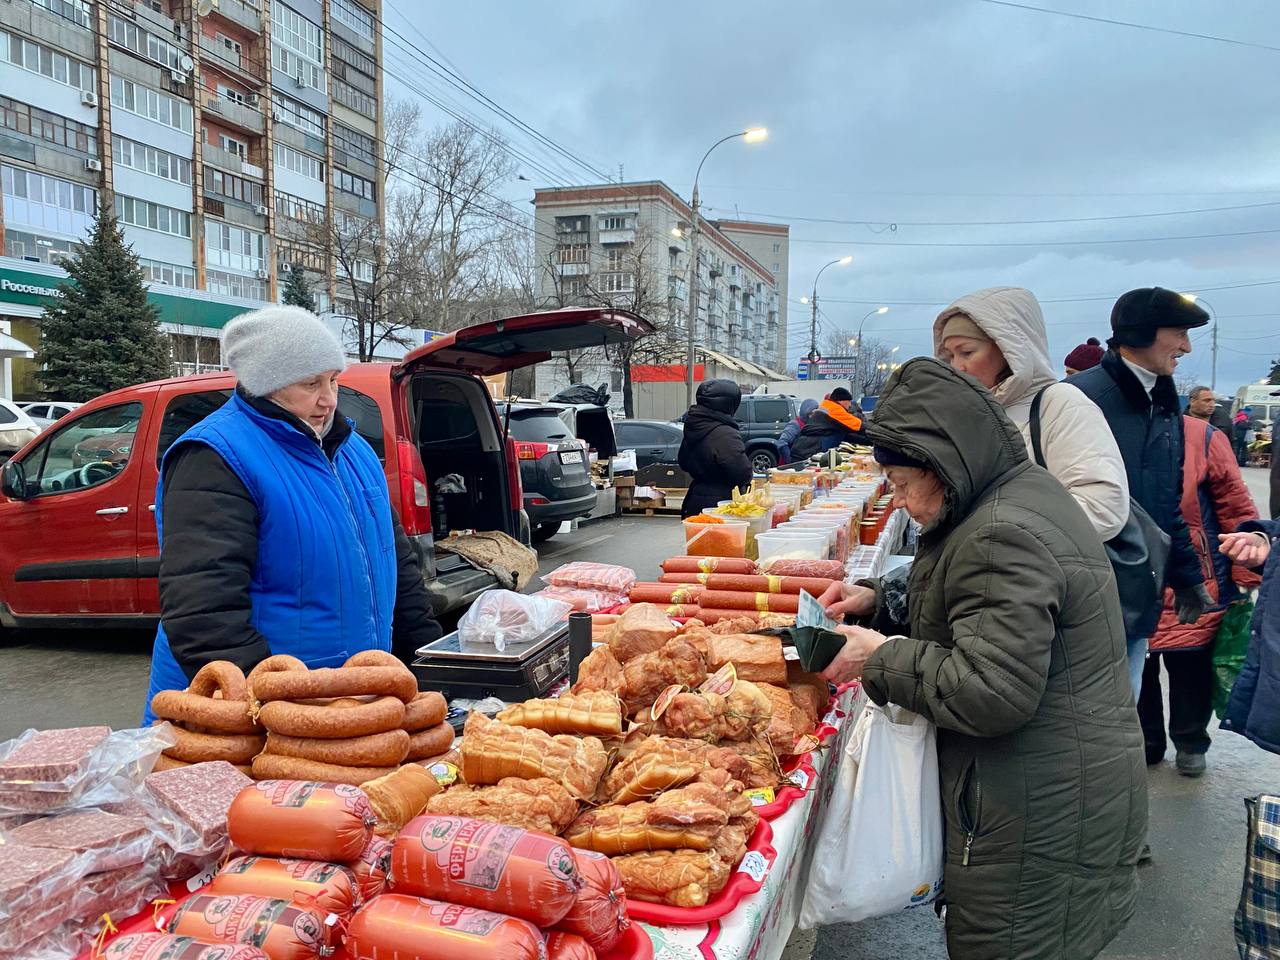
<point x="1213" y="378"/>
<point x="689" y="355"/>
<point x="813" y="328"/>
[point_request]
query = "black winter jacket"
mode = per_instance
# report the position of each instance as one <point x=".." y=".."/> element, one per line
<point x="715" y="457"/>
<point x="210" y="545"/>
<point x="1149" y="434"/>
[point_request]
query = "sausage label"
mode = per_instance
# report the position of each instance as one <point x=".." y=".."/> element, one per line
<point x="288" y="793"/>
<point x="355" y="800"/>
<point x="465" y="919"/>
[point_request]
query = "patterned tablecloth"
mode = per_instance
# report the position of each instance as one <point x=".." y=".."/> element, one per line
<point x="761" y="925"/>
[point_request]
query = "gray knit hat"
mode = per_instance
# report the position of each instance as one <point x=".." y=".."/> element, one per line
<point x="276" y="346"/>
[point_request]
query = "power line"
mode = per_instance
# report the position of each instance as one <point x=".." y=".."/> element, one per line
<point x="1135" y="26"/>
<point x="1031" y="243"/>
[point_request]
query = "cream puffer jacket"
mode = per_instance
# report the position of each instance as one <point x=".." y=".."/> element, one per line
<point x="1077" y="443"/>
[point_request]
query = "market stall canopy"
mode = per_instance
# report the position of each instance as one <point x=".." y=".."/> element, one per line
<point x="13" y="348"/>
<point x="502" y="345"/>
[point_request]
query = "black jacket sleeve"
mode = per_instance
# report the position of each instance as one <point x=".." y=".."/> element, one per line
<point x="731" y="458"/>
<point x="210" y="526"/>
<point x="413" y="623"/>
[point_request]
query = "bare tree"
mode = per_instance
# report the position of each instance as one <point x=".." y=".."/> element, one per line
<point x="871" y="360"/>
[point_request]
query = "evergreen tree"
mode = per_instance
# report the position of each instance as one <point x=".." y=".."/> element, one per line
<point x="101" y="333"/>
<point x="297" y="291"/>
<point x="1274" y="378"/>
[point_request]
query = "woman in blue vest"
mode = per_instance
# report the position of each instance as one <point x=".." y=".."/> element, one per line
<point x="276" y="529"/>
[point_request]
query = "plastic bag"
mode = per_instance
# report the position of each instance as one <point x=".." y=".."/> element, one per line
<point x="1230" y="647"/>
<point x="881" y="838"/>
<point x="587" y="601"/>
<point x="606" y="577"/>
<point x="501" y="617"/>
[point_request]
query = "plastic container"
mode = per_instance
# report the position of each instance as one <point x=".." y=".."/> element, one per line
<point x="793" y="543"/>
<point x="755" y="526"/>
<point x="727" y="539"/>
<point x="840" y="546"/>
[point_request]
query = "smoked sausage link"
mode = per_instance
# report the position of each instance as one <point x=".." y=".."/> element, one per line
<point x="301" y="819"/>
<point x="425" y="710"/>
<point x="374" y="750"/>
<point x="166" y="946"/>
<point x="414" y="928"/>
<point x="282" y="930"/>
<point x="330" y="722"/>
<point x="396" y="681"/>
<point x="568" y="946"/>
<point x="492" y="866"/>
<point x="330" y="887"/>
<point x="372" y="867"/>
<point x="599" y="915"/>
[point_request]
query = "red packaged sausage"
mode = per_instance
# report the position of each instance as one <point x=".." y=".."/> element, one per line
<point x="832" y="569"/>
<point x="599" y="915"/>
<point x="301" y="819"/>
<point x="372" y="867"/>
<point x="166" y="946"/>
<point x="401" y="927"/>
<point x="329" y="887"/>
<point x="282" y="930"/>
<point x="708" y="565"/>
<point x="663" y="593"/>
<point x="568" y="946"/>
<point x="477" y="863"/>
<point x="744" y="600"/>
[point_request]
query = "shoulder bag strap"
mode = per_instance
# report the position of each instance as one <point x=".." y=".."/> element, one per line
<point x="1036" y="451"/>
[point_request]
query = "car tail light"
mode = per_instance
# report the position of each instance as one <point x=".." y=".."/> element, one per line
<point x="514" y="485"/>
<point x="539" y="501"/>
<point x="533" y="451"/>
<point x="415" y="496"/>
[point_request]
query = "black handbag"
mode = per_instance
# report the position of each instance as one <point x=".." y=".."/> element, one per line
<point x="1138" y="554"/>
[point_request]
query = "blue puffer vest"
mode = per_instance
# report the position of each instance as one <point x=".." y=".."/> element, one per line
<point x="324" y="582"/>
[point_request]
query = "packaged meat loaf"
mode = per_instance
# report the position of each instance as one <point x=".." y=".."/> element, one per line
<point x="281" y="929"/>
<point x="51" y="911"/>
<point x="583" y="601"/>
<point x="599" y="914"/>
<point x="106" y="841"/>
<point x="606" y="577"/>
<point x="491" y="866"/>
<point x="30" y="879"/>
<point x="121" y="892"/>
<point x="168" y="946"/>
<point x="372" y="867"/>
<point x="415" y="928"/>
<point x="194" y="802"/>
<point x="329" y="887"/>
<point x="568" y="946"/>
<point x="302" y="819"/>
<point x="642" y="628"/>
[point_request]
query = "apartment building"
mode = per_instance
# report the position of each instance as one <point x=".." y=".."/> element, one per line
<point x="229" y="135"/>
<point x="601" y="241"/>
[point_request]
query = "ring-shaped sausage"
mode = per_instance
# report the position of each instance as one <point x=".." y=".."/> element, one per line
<point x="376" y="749"/>
<point x="203" y="747"/>
<point x="221" y="676"/>
<point x="274" y="664"/>
<point x="426" y="710"/>
<point x="204" y="713"/>
<point x="430" y="742"/>
<point x="267" y="766"/>
<point x="374" y="658"/>
<point x="330" y="723"/>
<point x="336" y="682"/>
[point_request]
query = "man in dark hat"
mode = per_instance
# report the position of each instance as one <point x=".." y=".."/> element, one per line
<point x="828" y="426"/>
<point x="1133" y="385"/>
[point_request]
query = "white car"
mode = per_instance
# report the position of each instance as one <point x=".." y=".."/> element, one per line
<point x="16" y="429"/>
<point x="46" y="412"/>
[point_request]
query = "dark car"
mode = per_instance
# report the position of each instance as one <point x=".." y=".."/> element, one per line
<point x="654" y="441"/>
<point x="554" y="468"/>
<point x="763" y="417"/>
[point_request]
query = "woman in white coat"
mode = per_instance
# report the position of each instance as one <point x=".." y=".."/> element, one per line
<point x="998" y="337"/>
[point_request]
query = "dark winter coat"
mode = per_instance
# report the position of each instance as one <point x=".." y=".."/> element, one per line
<point x="211" y="531"/>
<point x="1254" y="707"/>
<point x="828" y="426"/>
<point x="1275" y="469"/>
<point x="713" y="452"/>
<point x="1148" y="431"/>
<point x="1015" y="649"/>
<point x="792" y="430"/>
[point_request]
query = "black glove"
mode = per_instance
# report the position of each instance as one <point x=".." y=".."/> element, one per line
<point x="1191" y="602"/>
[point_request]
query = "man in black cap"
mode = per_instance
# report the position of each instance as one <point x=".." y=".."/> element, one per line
<point x="828" y="426"/>
<point x="1133" y="385"/>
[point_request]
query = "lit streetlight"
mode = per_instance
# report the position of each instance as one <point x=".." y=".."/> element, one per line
<point x="878" y="311"/>
<point x="750" y="135"/>
<point x="813" y="306"/>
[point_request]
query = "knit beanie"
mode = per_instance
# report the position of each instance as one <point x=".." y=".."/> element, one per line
<point x="888" y="457"/>
<point x="840" y="394"/>
<point x="1138" y="314"/>
<point x="1086" y="356"/>
<point x="276" y="346"/>
<point x="962" y="325"/>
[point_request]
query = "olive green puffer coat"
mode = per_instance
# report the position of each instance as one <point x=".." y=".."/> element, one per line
<point x="1016" y="652"/>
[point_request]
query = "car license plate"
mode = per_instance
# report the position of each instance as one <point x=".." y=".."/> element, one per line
<point x="571" y="456"/>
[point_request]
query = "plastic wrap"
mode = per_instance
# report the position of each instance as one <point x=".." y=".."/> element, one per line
<point x="329" y="887"/>
<point x="568" y="946"/>
<point x="59" y="943"/>
<point x="599" y="915"/>
<point x="192" y="804"/>
<point x="167" y="946"/>
<point x="284" y="930"/>
<point x="583" y="599"/>
<point x="303" y="819"/>
<point x="606" y="577"/>
<point x="372" y="867"/>
<point x="46" y="771"/>
<point x="415" y="928"/>
<point x="107" y="841"/>
<point x="501" y="617"/>
<point x="779" y="567"/>
<point x="34" y="883"/>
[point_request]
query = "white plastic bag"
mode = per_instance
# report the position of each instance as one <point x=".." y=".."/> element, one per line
<point x="879" y="847"/>
<point x="502" y="616"/>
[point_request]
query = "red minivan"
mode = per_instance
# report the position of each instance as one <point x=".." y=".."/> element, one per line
<point x="78" y="539"/>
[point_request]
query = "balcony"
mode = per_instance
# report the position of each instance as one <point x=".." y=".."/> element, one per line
<point x="618" y="236"/>
<point x="231" y="162"/>
<point x="241" y="66"/>
<point x="237" y="114"/>
<point x="573" y="269"/>
<point x="242" y="14"/>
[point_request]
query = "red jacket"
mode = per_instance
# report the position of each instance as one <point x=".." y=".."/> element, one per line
<point x="1214" y="500"/>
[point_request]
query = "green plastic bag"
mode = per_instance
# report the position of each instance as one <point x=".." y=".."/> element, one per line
<point x="1230" y="647"/>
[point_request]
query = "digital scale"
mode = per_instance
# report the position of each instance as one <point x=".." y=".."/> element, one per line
<point x="474" y="671"/>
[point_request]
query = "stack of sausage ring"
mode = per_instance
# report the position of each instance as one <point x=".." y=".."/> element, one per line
<point x="347" y="724"/>
<point x="212" y="719"/>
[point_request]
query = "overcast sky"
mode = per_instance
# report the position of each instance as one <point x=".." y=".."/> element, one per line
<point x="923" y="114"/>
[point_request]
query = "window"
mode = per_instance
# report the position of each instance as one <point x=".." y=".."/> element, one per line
<point x="235" y="285"/>
<point x="617" y="282"/>
<point x="538" y="426"/>
<point x="572" y="253"/>
<point x="359" y="101"/>
<point x="127" y="34"/>
<point x="77" y="11"/>
<point x="777" y="267"/>
<point x="350" y="183"/>
<point x="231" y="47"/>
<point x="234" y="247"/>
<point x="36" y="200"/>
<point x="151" y="104"/>
<point x="295" y="208"/>
<point x="230" y="144"/>
<point x="297" y="46"/>
<point x="86" y="452"/>
<point x="50" y="127"/>
<point x="770" y="411"/>
<point x="287" y="254"/>
<point x="345" y="53"/>
<point x="572" y="224"/>
<point x="352" y="15"/>
<point x="185" y="412"/>
<point x="367" y="415"/>
<point x="8" y="416"/>
<point x="777" y="248"/>
<point x="615" y="259"/>
<point x="354" y="143"/>
<point x="169" y="274"/>
<point x="297" y="115"/>
<point x="44" y="60"/>
<point x="30" y="246"/>
<point x="299" y="162"/>
<point x="617" y="222"/>
<point x="158" y="163"/>
<point x="638" y="434"/>
<point x="153" y="216"/>
<point x="233" y="187"/>
<point x="362" y="270"/>
<point x="232" y="94"/>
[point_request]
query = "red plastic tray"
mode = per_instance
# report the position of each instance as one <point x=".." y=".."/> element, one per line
<point x="741" y="885"/>
<point x="634" y="945"/>
<point x="786" y="796"/>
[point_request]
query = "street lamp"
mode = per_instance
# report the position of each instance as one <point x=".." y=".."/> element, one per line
<point x="1194" y="298"/>
<point x="751" y="135"/>
<point x="813" y="304"/>
<point x="857" y="341"/>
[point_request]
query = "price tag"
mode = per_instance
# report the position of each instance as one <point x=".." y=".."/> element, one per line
<point x="202" y="879"/>
<point x="807" y="744"/>
<point x="445" y="772"/>
<point x="759" y="796"/>
<point x="330" y="920"/>
<point x="800" y="777"/>
<point x="834" y="719"/>
<point x="664" y="700"/>
<point x="721" y="682"/>
<point x="755" y="866"/>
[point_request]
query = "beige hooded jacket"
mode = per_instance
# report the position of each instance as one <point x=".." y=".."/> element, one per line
<point x="1077" y="443"/>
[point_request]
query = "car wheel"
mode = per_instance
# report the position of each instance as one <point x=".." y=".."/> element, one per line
<point x="544" y="532"/>
<point x="762" y="460"/>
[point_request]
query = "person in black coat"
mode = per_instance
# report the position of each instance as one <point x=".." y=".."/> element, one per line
<point x="712" y="451"/>
<point x="1133" y="386"/>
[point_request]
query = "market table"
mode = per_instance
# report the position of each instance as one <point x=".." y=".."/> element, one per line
<point x="760" y="926"/>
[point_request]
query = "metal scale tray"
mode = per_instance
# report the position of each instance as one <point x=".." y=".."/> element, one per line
<point x="476" y="670"/>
